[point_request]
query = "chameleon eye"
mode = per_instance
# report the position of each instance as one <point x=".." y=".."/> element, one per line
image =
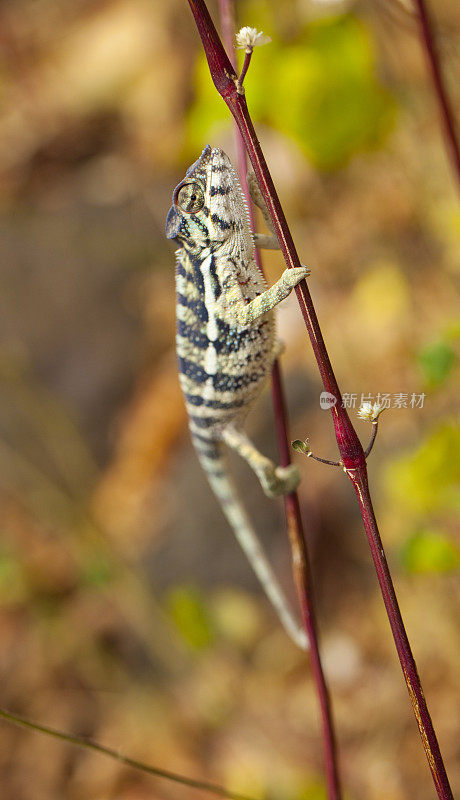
<point x="189" y="197"/>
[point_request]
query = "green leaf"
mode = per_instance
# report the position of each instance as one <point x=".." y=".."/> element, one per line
<point x="328" y="98"/>
<point x="436" y="361"/>
<point x="300" y="447"/>
<point x="427" y="479"/>
<point x="429" y="551"/>
<point x="189" y="613"/>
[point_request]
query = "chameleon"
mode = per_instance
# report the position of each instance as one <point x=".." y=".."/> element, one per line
<point x="226" y="344"/>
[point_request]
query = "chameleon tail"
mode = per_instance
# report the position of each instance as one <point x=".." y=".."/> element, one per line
<point x="212" y="459"/>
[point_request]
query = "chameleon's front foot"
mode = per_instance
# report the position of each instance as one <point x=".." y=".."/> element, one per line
<point x="292" y="277"/>
<point x="280" y="480"/>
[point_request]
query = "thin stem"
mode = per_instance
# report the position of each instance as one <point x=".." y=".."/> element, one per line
<point x="299" y="552"/>
<point x="375" y="427"/>
<point x="247" y="61"/>
<point x="407" y="660"/>
<point x="304" y="586"/>
<point x="351" y="451"/>
<point x="87" y="744"/>
<point x="324" y="460"/>
<point x="445" y="107"/>
<point x="367" y="452"/>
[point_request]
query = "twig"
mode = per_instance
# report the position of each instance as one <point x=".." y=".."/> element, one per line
<point x="445" y="107"/>
<point x="242" y="75"/>
<point x="324" y="460"/>
<point x="351" y="451"/>
<point x="87" y="744"/>
<point x="299" y="552"/>
<point x="375" y="427"/>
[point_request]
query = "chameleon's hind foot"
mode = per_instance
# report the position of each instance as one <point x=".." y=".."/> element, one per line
<point x="274" y="480"/>
<point x="280" y="480"/>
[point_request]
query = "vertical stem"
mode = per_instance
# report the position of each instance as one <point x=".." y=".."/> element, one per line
<point x="299" y="552"/>
<point x="304" y="586"/>
<point x="406" y="658"/>
<point x="445" y="107"/>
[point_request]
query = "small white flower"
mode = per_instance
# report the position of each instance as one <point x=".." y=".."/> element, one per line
<point x="370" y="411"/>
<point x="365" y="411"/>
<point x="247" y="38"/>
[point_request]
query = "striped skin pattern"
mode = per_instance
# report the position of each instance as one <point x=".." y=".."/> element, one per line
<point x="225" y="342"/>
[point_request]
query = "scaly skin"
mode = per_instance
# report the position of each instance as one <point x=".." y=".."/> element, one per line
<point x="226" y="341"/>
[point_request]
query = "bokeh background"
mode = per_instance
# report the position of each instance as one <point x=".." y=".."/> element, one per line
<point x="128" y="613"/>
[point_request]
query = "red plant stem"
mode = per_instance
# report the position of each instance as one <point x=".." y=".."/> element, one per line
<point x="304" y="586"/>
<point x="409" y="667"/>
<point x="299" y="552"/>
<point x="438" y="80"/>
<point x="247" y="61"/>
<point x="351" y="451"/>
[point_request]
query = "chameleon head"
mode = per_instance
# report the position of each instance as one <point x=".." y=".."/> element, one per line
<point x="208" y="205"/>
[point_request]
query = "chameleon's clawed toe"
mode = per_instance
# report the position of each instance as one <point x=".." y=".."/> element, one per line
<point x="289" y="477"/>
<point x="292" y="277"/>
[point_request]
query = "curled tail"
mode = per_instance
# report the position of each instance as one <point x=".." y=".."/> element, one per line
<point x="212" y="459"/>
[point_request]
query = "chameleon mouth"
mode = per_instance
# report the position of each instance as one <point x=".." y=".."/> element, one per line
<point x="173" y="223"/>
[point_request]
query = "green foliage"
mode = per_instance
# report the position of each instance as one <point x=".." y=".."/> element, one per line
<point x="320" y="90"/>
<point x="97" y="570"/>
<point x="208" y="112"/>
<point x="298" y="786"/>
<point x="189" y="613"/>
<point x="313" y="791"/>
<point x="425" y="482"/>
<point x="301" y="447"/>
<point x="429" y="551"/>
<point x="11" y="579"/>
<point x="427" y="479"/>
<point x="436" y="361"/>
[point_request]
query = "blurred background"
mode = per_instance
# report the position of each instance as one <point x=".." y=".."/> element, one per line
<point x="128" y="613"/>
